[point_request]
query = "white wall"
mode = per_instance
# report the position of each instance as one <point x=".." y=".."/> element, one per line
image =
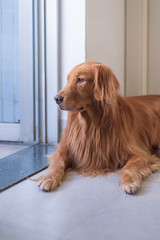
<point x="91" y="30"/>
<point x="72" y="38"/>
<point x="105" y="34"/>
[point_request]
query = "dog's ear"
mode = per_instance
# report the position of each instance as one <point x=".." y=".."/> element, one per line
<point x="106" y="85"/>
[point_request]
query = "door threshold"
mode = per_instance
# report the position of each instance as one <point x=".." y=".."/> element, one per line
<point x="22" y="164"/>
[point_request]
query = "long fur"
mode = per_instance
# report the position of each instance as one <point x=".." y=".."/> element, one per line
<point x="112" y="133"/>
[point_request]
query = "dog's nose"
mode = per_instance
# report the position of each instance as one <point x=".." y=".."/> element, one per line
<point x="58" y="99"/>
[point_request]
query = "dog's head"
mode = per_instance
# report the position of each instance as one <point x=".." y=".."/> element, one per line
<point x="87" y="83"/>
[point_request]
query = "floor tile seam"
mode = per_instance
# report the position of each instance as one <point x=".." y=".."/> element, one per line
<point x="22" y="179"/>
<point x="27" y="147"/>
<point x="92" y="215"/>
<point x="19" y="151"/>
<point x="14" y="149"/>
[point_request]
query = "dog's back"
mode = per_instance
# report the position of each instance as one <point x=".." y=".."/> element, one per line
<point x="149" y="101"/>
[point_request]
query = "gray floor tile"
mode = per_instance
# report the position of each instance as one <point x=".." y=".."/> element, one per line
<point x="81" y="208"/>
<point x="155" y="177"/>
<point x="8" y="149"/>
<point x="133" y="217"/>
<point x="59" y="212"/>
<point x="10" y="233"/>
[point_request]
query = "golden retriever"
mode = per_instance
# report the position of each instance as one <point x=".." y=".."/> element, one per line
<point x="105" y="132"/>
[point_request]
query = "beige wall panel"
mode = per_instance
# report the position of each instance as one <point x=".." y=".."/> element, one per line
<point x="133" y="48"/>
<point x="154" y="47"/>
<point x="105" y="34"/>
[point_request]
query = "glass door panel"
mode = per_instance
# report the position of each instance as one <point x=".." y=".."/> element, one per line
<point x="9" y="62"/>
<point x="16" y="70"/>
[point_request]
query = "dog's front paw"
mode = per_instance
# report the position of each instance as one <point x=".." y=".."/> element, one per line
<point x="129" y="187"/>
<point x="48" y="184"/>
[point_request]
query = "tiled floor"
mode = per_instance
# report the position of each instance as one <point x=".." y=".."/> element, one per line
<point x="81" y="209"/>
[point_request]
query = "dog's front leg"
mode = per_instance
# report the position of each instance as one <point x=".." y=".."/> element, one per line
<point x="55" y="172"/>
<point x="136" y="169"/>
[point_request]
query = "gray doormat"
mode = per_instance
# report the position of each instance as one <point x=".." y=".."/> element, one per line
<point x="18" y="166"/>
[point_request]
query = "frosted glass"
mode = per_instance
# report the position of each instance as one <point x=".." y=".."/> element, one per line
<point x="9" y="61"/>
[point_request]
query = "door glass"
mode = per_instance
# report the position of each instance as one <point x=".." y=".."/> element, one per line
<point x="9" y="62"/>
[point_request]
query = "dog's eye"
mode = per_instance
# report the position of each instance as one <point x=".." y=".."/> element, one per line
<point x="80" y="80"/>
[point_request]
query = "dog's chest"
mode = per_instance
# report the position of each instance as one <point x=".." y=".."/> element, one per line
<point x="88" y="147"/>
<point x="94" y="147"/>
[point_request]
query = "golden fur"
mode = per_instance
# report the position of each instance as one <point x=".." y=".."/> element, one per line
<point x="110" y="132"/>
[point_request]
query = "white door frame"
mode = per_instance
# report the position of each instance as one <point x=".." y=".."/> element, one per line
<point x="26" y="71"/>
<point x="52" y="68"/>
<point x="48" y="65"/>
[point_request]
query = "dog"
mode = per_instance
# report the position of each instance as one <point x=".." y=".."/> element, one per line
<point x="105" y="132"/>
